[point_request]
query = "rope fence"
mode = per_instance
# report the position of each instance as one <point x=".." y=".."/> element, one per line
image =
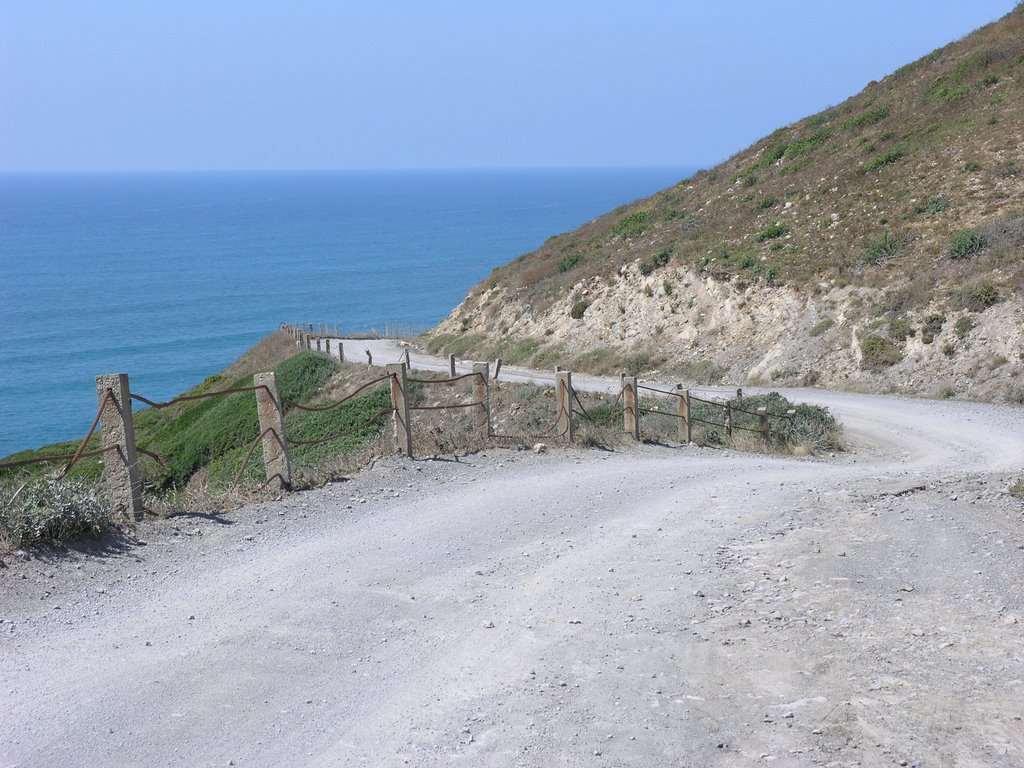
<point x="119" y="450"/>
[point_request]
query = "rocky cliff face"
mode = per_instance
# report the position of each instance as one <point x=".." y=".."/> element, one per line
<point x="677" y="323"/>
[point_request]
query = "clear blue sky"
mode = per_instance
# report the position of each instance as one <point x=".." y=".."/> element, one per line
<point x="248" y="84"/>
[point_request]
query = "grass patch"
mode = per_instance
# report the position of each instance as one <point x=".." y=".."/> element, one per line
<point x="965" y="244"/>
<point x="932" y="327"/>
<point x="866" y="118"/>
<point x="886" y="158"/>
<point x="881" y="249"/>
<point x="821" y="326"/>
<point x="977" y="296"/>
<point x="632" y="224"/>
<point x="771" y="232"/>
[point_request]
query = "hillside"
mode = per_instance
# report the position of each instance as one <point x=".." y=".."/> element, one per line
<point x="875" y="245"/>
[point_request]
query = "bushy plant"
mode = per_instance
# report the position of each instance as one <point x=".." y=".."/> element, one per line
<point x="579" y="309"/>
<point x="963" y="327"/>
<point x="878" y="353"/>
<point x="977" y="296"/>
<point x="50" y="509"/>
<point x="568" y="262"/>
<point x="772" y="231"/>
<point x="881" y="249"/>
<point x="632" y="224"/>
<point x="821" y="326"/>
<point x="965" y="244"/>
<point x="932" y="327"/>
<point x="886" y="158"/>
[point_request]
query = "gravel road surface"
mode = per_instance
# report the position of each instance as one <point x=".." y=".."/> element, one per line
<point x="651" y="606"/>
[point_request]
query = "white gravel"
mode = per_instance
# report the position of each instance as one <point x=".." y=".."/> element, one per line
<point x="646" y="607"/>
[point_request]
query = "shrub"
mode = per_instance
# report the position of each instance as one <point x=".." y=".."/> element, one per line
<point x="900" y="330"/>
<point x="881" y="249"/>
<point x="766" y="202"/>
<point x="568" y="262"/>
<point x="866" y="118"/>
<point x="932" y="327"/>
<point x="578" y="309"/>
<point x="886" y="158"/>
<point x="822" y="326"/>
<point x="965" y="244"/>
<point x="878" y="353"/>
<point x="51" y="510"/>
<point x="1017" y="489"/>
<point x="660" y="259"/>
<point x="963" y="327"/>
<point x="772" y="231"/>
<point x="633" y="224"/>
<point x="945" y="90"/>
<point x="977" y="296"/>
<point x="937" y="204"/>
<point x="806" y="144"/>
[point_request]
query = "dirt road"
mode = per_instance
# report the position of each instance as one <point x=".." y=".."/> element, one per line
<point x="644" y="607"/>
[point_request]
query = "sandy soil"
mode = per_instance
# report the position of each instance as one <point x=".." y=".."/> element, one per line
<point x="650" y="606"/>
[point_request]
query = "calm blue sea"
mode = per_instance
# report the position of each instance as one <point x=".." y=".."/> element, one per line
<point x="170" y="277"/>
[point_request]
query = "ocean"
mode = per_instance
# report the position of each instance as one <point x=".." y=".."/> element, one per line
<point x="168" y="277"/>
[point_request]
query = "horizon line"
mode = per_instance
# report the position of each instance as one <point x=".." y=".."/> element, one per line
<point x="381" y="169"/>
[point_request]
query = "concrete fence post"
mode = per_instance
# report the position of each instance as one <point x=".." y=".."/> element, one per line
<point x="563" y="392"/>
<point x="318" y="344"/>
<point x="683" y="396"/>
<point x="341" y="352"/>
<point x="481" y="394"/>
<point x="762" y="418"/>
<point x="631" y="405"/>
<point x="497" y="368"/>
<point x="408" y="362"/>
<point x="451" y="364"/>
<point x="120" y="462"/>
<point x="400" y="404"/>
<point x="728" y="418"/>
<point x="369" y="358"/>
<point x="271" y="415"/>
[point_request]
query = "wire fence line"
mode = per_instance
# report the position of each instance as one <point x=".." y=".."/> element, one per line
<point x="273" y="410"/>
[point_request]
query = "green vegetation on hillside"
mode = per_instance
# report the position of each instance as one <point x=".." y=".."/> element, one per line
<point x="908" y="166"/>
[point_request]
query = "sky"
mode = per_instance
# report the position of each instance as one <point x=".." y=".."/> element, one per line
<point x="132" y="85"/>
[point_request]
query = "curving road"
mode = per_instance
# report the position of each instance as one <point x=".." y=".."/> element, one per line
<point x="647" y="607"/>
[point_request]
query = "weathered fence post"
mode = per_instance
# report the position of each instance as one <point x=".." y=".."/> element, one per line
<point x="369" y="358"/>
<point x="341" y="352"/>
<point x="762" y="417"/>
<point x="631" y="404"/>
<point x="739" y="393"/>
<point x="451" y="364"/>
<point x="271" y="415"/>
<point x="317" y="343"/>
<point x="481" y="394"/>
<point x="684" y="414"/>
<point x="400" y="404"/>
<point x="728" y="418"/>
<point x="408" y="362"/>
<point x="497" y="368"/>
<point x="563" y="391"/>
<point x="120" y="462"/>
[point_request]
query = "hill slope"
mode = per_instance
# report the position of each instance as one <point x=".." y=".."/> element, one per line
<point x="875" y="245"/>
